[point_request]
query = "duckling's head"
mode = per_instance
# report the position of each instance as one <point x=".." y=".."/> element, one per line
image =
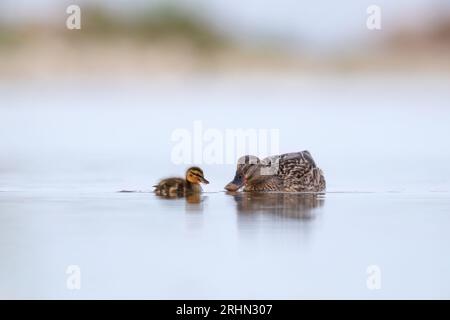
<point x="195" y="175"/>
<point x="247" y="168"/>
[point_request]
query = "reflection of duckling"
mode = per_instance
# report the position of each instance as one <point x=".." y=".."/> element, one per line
<point x="173" y="187"/>
<point x="194" y="198"/>
<point x="291" y="172"/>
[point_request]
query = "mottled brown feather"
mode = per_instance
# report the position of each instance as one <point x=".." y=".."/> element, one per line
<point x="290" y="172"/>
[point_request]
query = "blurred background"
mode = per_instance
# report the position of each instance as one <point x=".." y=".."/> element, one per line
<point x="178" y="37"/>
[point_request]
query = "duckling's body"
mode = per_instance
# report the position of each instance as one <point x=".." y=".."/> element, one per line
<point x="290" y="172"/>
<point x="179" y="187"/>
<point x="176" y="187"/>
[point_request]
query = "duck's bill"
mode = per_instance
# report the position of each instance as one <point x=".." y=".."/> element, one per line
<point x="232" y="186"/>
<point x="203" y="180"/>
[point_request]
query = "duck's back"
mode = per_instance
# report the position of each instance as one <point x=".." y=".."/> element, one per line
<point x="298" y="172"/>
<point x="171" y="187"/>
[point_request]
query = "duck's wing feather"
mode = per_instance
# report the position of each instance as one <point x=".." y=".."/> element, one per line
<point x="293" y="165"/>
<point x="297" y="172"/>
<point x="299" y="157"/>
<point x="169" y="186"/>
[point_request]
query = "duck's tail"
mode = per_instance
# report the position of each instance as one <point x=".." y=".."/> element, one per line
<point x="319" y="179"/>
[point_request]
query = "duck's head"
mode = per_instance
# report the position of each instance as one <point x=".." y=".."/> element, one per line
<point x="247" y="168"/>
<point x="195" y="175"/>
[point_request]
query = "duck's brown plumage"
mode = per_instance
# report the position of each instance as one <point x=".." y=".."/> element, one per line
<point x="178" y="187"/>
<point x="175" y="187"/>
<point x="290" y="172"/>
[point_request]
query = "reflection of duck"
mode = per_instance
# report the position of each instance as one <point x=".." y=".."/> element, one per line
<point x="178" y="187"/>
<point x="290" y="205"/>
<point x="191" y="203"/>
<point x="291" y="172"/>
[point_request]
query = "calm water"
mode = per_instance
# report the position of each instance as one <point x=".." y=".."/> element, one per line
<point x="68" y="148"/>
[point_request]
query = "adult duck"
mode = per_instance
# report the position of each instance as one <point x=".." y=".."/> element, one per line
<point x="290" y="172"/>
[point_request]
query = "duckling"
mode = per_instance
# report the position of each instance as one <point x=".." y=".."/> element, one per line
<point x="290" y="172"/>
<point x="172" y="187"/>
